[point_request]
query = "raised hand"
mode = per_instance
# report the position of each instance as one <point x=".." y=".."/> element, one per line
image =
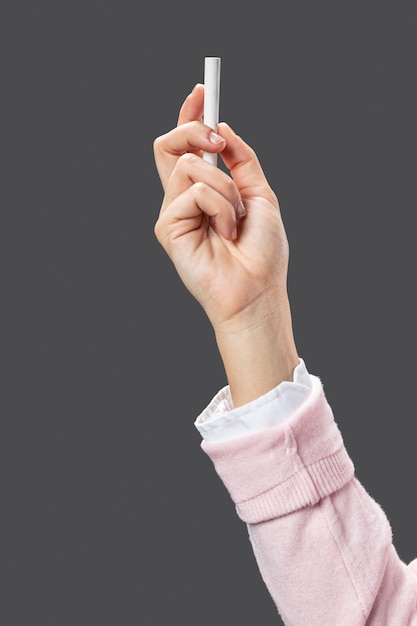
<point x="225" y="236"/>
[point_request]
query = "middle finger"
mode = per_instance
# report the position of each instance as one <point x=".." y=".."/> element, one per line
<point x="191" y="169"/>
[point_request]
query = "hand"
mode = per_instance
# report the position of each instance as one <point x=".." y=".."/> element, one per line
<point x="233" y="260"/>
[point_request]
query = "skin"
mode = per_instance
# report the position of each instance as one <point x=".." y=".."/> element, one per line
<point x="225" y="236"/>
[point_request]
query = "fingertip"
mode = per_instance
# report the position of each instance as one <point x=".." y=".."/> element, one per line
<point x="226" y="127"/>
<point x="240" y="210"/>
<point x="197" y="87"/>
<point x="223" y="126"/>
<point x="229" y="235"/>
<point x="225" y="130"/>
<point x="230" y="232"/>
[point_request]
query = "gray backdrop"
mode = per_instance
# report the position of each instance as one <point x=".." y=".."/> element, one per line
<point x="111" y="513"/>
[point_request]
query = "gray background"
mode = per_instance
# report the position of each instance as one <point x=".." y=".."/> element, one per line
<point x="111" y="513"/>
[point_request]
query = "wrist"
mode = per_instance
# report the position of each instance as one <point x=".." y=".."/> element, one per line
<point x="258" y="352"/>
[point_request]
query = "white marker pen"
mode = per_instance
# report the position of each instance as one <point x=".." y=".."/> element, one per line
<point x="211" y="99"/>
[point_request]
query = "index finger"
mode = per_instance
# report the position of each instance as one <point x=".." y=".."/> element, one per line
<point x="244" y="166"/>
<point x="168" y="147"/>
<point x="189" y="137"/>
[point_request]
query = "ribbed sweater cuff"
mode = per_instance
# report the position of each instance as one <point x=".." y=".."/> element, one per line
<point x="285" y="468"/>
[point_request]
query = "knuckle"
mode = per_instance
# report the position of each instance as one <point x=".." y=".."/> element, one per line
<point x="200" y="188"/>
<point x="157" y="231"/>
<point x="229" y="184"/>
<point x="158" y="145"/>
<point x="187" y="161"/>
<point x="189" y="158"/>
<point x="230" y="190"/>
<point x="161" y="232"/>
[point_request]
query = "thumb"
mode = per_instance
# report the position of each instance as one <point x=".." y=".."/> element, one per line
<point x="244" y="166"/>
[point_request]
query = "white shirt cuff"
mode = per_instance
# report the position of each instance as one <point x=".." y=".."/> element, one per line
<point x="220" y="421"/>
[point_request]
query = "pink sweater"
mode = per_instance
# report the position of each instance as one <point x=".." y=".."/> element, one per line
<point x="323" y="545"/>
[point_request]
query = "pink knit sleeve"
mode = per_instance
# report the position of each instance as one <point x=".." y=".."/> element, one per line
<point x="322" y="544"/>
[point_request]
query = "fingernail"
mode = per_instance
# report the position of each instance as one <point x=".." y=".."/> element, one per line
<point x="234" y="233"/>
<point x="240" y="209"/>
<point x="215" y="138"/>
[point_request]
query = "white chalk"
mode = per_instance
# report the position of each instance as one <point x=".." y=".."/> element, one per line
<point x="211" y="99"/>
